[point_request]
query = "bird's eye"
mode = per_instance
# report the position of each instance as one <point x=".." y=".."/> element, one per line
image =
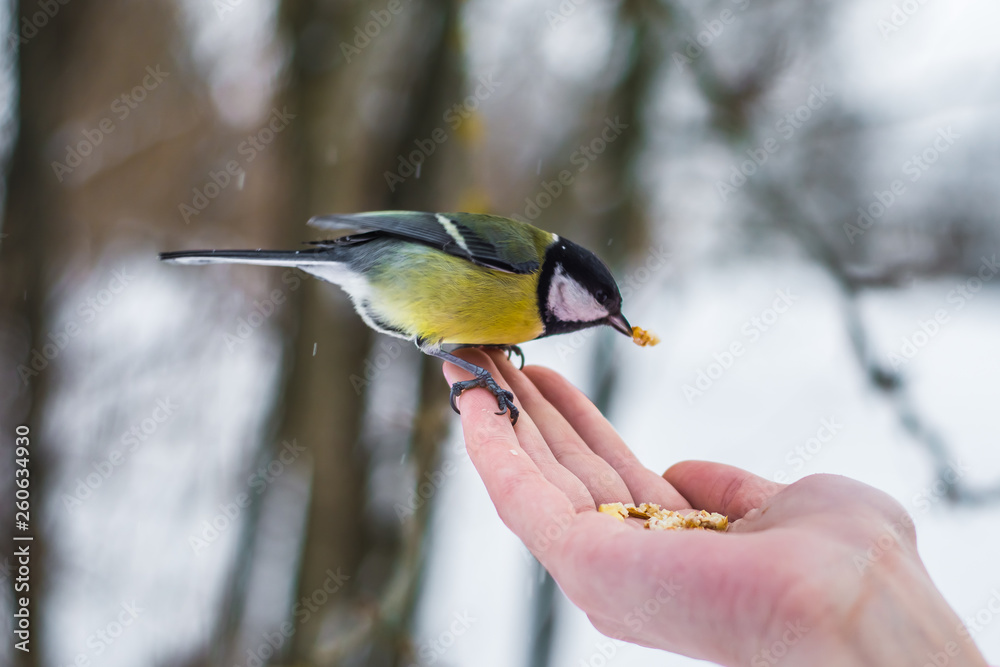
<point x="601" y="296"/>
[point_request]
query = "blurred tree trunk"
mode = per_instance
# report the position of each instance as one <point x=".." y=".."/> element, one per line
<point x="347" y="143"/>
<point x="321" y="407"/>
<point x="130" y="171"/>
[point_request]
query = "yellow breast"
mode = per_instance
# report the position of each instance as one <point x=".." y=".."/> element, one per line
<point x="449" y="300"/>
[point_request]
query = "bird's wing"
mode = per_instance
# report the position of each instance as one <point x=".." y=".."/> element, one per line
<point x="490" y="241"/>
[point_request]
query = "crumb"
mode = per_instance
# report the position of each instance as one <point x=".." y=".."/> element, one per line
<point x="661" y="519"/>
<point x="666" y="521"/>
<point x="642" y="338"/>
<point x="514" y="452"/>
<point x="634" y="511"/>
<point x="617" y="510"/>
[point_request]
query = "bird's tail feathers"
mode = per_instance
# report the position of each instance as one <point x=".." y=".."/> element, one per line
<point x="261" y="257"/>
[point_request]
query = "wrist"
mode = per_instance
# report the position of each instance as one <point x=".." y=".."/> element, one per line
<point x="900" y="619"/>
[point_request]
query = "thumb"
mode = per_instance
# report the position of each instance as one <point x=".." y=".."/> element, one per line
<point x="717" y="487"/>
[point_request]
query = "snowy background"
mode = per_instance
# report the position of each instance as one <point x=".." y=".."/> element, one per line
<point x="764" y="415"/>
<point x="180" y="482"/>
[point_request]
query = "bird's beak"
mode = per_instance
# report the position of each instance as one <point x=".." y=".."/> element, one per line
<point x="619" y="323"/>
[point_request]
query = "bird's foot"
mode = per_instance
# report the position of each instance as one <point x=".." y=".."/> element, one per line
<point x="511" y="350"/>
<point x="505" y="399"/>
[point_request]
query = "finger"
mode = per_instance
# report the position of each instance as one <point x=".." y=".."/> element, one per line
<point x="525" y="436"/>
<point x="582" y="415"/>
<point x="687" y="584"/>
<point x="567" y="447"/>
<point x="721" y="488"/>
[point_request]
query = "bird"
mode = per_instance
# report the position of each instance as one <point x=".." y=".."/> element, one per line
<point x="452" y="279"/>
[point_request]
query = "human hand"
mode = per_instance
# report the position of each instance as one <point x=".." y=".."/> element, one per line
<point x="821" y="572"/>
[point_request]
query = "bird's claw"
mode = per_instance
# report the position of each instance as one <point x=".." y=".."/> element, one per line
<point x="505" y="399"/>
<point x="511" y="351"/>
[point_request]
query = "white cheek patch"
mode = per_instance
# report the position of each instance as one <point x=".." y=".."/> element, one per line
<point x="570" y="301"/>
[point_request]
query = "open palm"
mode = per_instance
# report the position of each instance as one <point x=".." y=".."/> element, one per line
<point x="801" y="567"/>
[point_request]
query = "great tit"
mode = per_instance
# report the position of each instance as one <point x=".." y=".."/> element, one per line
<point x="463" y="279"/>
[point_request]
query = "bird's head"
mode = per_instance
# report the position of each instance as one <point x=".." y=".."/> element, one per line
<point x="576" y="291"/>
